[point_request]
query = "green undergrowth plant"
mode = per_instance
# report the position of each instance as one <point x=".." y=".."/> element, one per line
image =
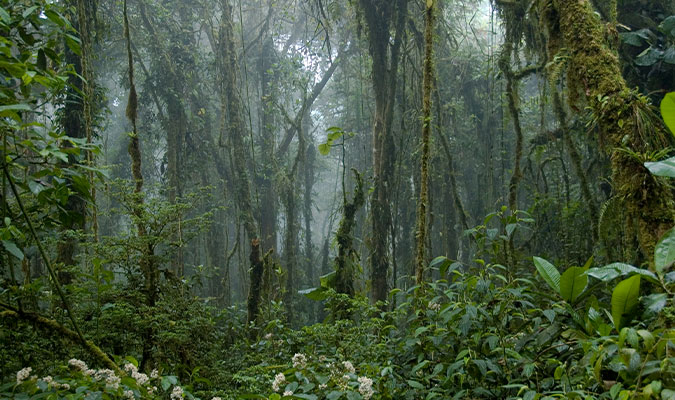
<point x="77" y="381"/>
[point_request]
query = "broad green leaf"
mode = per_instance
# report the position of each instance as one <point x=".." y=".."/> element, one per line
<point x="13" y="249"/>
<point x="548" y="272"/>
<point x="572" y="283"/>
<point x="668" y="110"/>
<point x="611" y="271"/>
<point x="625" y="299"/>
<point x="649" y="57"/>
<point x="324" y="149"/>
<point x="664" y="254"/>
<point x="328" y="279"/>
<point x="655" y="302"/>
<point x="316" y="294"/>
<point x="668" y="25"/>
<point x="335" y="394"/>
<point x="662" y="168"/>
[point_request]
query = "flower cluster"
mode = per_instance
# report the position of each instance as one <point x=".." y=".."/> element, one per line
<point x="366" y="387"/>
<point x="177" y="393"/>
<point x="349" y="367"/>
<point x="434" y="306"/>
<point x="94" y="379"/>
<point x="23" y="375"/>
<point x="323" y="375"/>
<point x="279" y="379"/>
<point x="299" y="361"/>
<point x="140" y="377"/>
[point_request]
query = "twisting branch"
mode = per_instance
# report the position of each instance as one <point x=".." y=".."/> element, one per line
<point x="54" y="325"/>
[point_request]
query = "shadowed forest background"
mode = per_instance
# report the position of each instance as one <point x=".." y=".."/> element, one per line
<point x="325" y="199"/>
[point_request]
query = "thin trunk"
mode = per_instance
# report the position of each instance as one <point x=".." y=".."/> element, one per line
<point x="236" y="132"/>
<point x="420" y="258"/>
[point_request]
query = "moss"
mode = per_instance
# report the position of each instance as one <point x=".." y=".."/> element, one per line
<point x="624" y="119"/>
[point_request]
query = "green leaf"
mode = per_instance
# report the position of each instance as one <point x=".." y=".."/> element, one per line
<point x="316" y="294"/>
<point x="328" y="279"/>
<point x="5" y="16"/>
<point x="662" y="168"/>
<point x="625" y="299"/>
<point x="611" y="271"/>
<point x="305" y="396"/>
<point x="572" y="283"/>
<point x="324" y="149"/>
<point x="649" y="57"/>
<point x="334" y="395"/>
<point x="668" y="111"/>
<point x="13" y="249"/>
<point x="548" y="272"/>
<point x="664" y="254"/>
<point x="669" y="55"/>
<point x="415" y="384"/>
<point x="668" y="25"/>
<point x="15" y="107"/>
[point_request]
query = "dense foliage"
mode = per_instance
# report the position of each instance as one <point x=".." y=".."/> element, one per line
<point x="179" y="219"/>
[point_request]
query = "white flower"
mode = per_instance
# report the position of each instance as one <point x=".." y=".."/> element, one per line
<point x="129" y="394"/>
<point x="130" y="368"/>
<point x="349" y="367"/>
<point x="65" y="386"/>
<point x="22" y="375"/>
<point x="288" y="393"/>
<point x="365" y="387"/>
<point x="323" y="386"/>
<point x="154" y="374"/>
<point x="268" y="336"/>
<point x="177" y="393"/>
<point x="112" y="382"/>
<point x="434" y="306"/>
<point x="299" y="361"/>
<point x="215" y="398"/>
<point x="140" y="377"/>
<point x="105" y="375"/>
<point x="77" y="364"/>
<point x="279" y="379"/>
<point x="48" y="380"/>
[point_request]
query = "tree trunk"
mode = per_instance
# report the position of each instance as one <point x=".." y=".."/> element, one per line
<point x="380" y="15"/>
<point x="236" y="131"/>
<point x="628" y="128"/>
<point x="420" y="259"/>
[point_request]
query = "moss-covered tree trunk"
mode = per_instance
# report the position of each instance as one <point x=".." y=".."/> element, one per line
<point x="628" y="127"/>
<point x="236" y="130"/>
<point x="380" y="17"/>
<point x="268" y="195"/>
<point x="420" y="254"/>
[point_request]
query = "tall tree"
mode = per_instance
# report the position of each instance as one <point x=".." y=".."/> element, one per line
<point x="423" y="202"/>
<point x="236" y="131"/>
<point x="628" y="127"/>
<point x="380" y="17"/>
